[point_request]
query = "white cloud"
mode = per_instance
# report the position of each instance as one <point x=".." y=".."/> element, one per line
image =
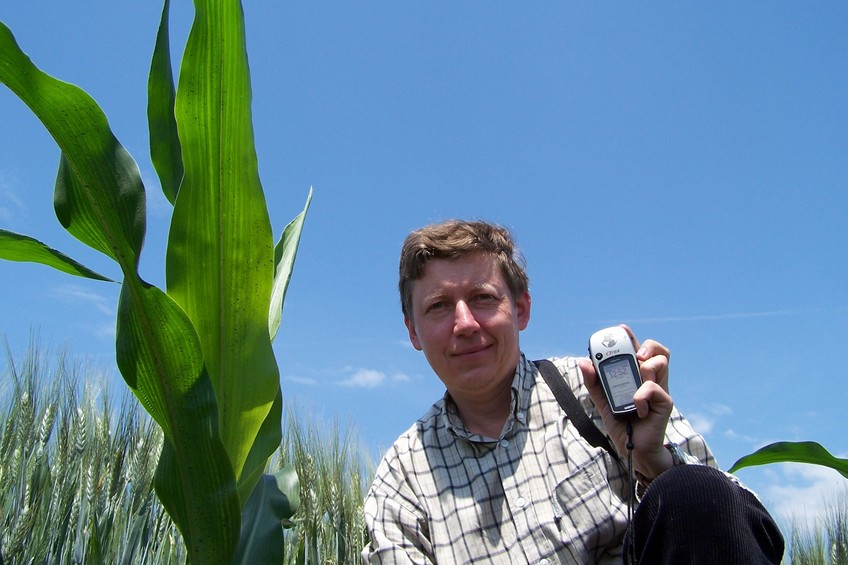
<point x="100" y="322"/>
<point x="11" y="206"/>
<point x="803" y="494"/>
<point x="370" y="378"/>
<point x="76" y="293"/>
<point x="704" y="421"/>
<point x="364" y="378"/>
<point x="300" y="380"/>
<point x="106" y="331"/>
<point x="732" y="434"/>
<point x="720" y="409"/>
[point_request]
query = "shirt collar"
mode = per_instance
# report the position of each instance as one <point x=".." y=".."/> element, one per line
<point x="522" y="383"/>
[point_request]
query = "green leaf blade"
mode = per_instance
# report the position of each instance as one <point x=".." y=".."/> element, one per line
<point x="165" y="150"/>
<point x="273" y="502"/>
<point x="285" y="254"/>
<point x="793" y="452"/>
<point x="211" y="527"/>
<point x="160" y="357"/>
<point x="99" y="195"/>
<point x="22" y="248"/>
<point x="220" y="252"/>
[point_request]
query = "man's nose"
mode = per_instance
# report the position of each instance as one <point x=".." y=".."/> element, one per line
<point x="464" y="320"/>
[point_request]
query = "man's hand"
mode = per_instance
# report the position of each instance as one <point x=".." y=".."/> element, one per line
<point x="653" y="405"/>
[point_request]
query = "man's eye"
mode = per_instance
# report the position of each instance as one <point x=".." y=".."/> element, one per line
<point x="483" y="297"/>
<point x="436" y="306"/>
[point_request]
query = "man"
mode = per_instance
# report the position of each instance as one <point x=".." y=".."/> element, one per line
<point x="495" y="471"/>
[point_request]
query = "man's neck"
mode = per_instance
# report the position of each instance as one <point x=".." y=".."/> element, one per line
<point x="485" y="417"/>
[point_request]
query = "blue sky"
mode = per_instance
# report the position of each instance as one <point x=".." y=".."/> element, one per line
<point x="680" y="168"/>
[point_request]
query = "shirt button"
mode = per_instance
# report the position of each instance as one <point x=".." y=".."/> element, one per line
<point x="520" y="502"/>
<point x="544" y="562"/>
<point x="521" y="417"/>
<point x="504" y="443"/>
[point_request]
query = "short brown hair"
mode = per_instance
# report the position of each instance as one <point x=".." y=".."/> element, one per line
<point x="452" y="239"/>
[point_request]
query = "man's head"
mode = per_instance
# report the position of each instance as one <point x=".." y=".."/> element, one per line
<point x="453" y="239"/>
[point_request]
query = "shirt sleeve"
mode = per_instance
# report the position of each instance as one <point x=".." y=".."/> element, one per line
<point x="680" y="431"/>
<point x="398" y="531"/>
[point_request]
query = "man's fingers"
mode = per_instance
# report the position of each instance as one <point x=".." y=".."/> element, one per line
<point x="655" y="369"/>
<point x="652" y="348"/>
<point x="652" y="398"/>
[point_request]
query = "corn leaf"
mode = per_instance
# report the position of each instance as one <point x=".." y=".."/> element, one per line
<point x="159" y="355"/>
<point x="793" y="452"/>
<point x="165" y="151"/>
<point x="99" y="197"/>
<point x="17" y="247"/>
<point x="285" y="253"/>
<point x="284" y="257"/>
<point x="219" y="264"/>
<point x="273" y="502"/>
<point x="266" y="441"/>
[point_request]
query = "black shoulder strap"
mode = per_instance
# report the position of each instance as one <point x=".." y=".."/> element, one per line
<point x="573" y="408"/>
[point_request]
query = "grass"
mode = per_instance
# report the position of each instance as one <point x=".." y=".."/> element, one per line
<point x="827" y="542"/>
<point x="334" y="473"/>
<point x="76" y="472"/>
<point x="76" y="475"/>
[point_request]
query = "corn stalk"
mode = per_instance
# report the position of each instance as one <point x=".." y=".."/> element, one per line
<point x="198" y="354"/>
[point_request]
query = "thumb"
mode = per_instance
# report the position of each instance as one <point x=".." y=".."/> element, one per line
<point x="593" y="385"/>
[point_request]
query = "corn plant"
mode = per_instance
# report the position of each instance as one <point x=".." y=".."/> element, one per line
<point x="198" y="354"/>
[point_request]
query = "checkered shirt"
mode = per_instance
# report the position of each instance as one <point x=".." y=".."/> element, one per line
<point x="537" y="494"/>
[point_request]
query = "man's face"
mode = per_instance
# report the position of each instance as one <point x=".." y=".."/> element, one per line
<point x="465" y="320"/>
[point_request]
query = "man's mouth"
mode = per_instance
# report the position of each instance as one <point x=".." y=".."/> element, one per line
<point x="470" y="351"/>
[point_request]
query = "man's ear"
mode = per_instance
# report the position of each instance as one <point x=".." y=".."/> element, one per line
<point x="522" y="310"/>
<point x="413" y="336"/>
